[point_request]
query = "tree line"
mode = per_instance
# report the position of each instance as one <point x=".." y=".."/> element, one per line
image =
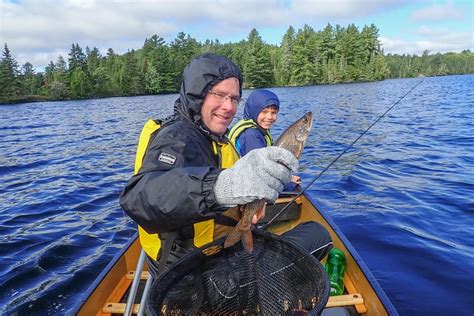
<point x="305" y="57"/>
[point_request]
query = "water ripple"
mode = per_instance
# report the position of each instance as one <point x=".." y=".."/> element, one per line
<point x="405" y="189"/>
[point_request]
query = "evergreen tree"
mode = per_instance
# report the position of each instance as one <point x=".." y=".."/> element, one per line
<point x="210" y="46"/>
<point x="131" y="75"/>
<point x="102" y="82"/>
<point x="352" y="52"/>
<point x="147" y="55"/>
<point x="236" y="52"/>
<point x="77" y="58"/>
<point x="370" y="44"/>
<point x="56" y="79"/>
<point x="328" y="51"/>
<point x="258" y="70"/>
<point x="78" y="74"/>
<point x="328" y="45"/>
<point x="79" y="84"/>
<point x="49" y="74"/>
<point x="183" y="49"/>
<point x="110" y="54"/>
<point x="114" y="65"/>
<point x="10" y="84"/>
<point x="29" y="78"/>
<point x="150" y="47"/>
<point x="287" y="43"/>
<point x="152" y="80"/>
<point x="306" y="67"/>
<point x="159" y="73"/>
<point x="60" y="71"/>
<point x="349" y="54"/>
<point x="332" y="55"/>
<point x="93" y="58"/>
<point x="381" y="70"/>
<point x="97" y="76"/>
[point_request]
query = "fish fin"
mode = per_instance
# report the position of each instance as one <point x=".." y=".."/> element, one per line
<point x="247" y="241"/>
<point x="234" y="236"/>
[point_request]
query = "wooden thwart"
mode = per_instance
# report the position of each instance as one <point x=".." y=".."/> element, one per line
<point x="334" y="301"/>
<point x="345" y="300"/>
<point x="287" y="200"/>
<point x="351" y="289"/>
<point x="119" y="308"/>
<point x="131" y="274"/>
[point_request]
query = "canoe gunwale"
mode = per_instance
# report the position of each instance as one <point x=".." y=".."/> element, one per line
<point x="98" y="280"/>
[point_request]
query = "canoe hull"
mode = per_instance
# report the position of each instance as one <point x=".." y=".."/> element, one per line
<point x="105" y="296"/>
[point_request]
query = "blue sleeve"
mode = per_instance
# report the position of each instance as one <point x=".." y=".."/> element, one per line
<point x="251" y="138"/>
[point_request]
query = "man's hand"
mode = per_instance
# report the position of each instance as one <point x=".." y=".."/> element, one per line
<point x="261" y="174"/>
<point x="296" y="179"/>
<point x="259" y="215"/>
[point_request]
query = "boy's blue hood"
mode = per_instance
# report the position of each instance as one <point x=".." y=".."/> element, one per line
<point x="257" y="101"/>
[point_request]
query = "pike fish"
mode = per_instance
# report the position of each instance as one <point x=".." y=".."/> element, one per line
<point x="292" y="139"/>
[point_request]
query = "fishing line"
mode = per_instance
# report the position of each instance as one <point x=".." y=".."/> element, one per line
<point x="339" y="156"/>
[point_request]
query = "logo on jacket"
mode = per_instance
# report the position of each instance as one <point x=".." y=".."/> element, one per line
<point x="167" y="158"/>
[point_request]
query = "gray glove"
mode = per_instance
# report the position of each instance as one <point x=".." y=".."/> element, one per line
<point x="260" y="174"/>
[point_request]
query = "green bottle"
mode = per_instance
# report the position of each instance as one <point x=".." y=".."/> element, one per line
<point x="335" y="266"/>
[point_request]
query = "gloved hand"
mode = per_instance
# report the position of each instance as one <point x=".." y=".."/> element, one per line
<point x="260" y="174"/>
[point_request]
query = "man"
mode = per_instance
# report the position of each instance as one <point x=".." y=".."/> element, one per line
<point x="182" y="189"/>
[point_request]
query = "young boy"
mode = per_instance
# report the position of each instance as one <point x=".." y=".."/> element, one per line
<point x="253" y="131"/>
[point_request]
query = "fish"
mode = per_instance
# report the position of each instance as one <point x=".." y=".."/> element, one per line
<point x="292" y="139"/>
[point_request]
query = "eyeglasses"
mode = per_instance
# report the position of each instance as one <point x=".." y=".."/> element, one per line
<point x="224" y="97"/>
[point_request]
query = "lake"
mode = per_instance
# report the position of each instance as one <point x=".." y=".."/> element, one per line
<point x="403" y="195"/>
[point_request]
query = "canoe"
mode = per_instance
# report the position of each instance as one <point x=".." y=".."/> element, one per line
<point x="362" y="296"/>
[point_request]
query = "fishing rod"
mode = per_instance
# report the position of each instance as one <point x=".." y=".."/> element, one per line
<point x="337" y="158"/>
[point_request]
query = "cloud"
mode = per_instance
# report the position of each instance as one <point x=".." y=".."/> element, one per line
<point x="343" y="9"/>
<point x="36" y="30"/>
<point x="433" y="39"/>
<point x="438" y="12"/>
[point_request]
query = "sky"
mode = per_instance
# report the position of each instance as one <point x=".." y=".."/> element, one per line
<point x="38" y="31"/>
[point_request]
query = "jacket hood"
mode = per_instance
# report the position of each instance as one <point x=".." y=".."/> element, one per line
<point x="257" y="101"/>
<point x="199" y="76"/>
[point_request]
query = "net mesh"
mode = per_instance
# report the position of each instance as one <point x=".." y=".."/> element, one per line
<point x="277" y="278"/>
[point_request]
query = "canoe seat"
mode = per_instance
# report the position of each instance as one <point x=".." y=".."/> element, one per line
<point x="293" y="212"/>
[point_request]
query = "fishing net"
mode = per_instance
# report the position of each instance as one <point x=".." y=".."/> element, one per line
<point x="277" y="278"/>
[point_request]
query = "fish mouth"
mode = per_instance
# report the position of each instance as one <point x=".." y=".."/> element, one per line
<point x="309" y="117"/>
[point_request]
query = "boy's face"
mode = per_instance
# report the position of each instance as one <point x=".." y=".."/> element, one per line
<point x="267" y="117"/>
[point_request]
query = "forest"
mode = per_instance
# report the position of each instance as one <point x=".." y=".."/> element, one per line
<point x="305" y="57"/>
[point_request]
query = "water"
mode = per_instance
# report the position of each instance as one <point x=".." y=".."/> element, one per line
<point x="403" y="195"/>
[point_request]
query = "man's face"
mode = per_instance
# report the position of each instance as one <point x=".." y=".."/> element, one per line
<point x="218" y="109"/>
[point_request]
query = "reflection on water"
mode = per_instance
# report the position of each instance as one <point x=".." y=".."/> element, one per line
<point x="403" y="195"/>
